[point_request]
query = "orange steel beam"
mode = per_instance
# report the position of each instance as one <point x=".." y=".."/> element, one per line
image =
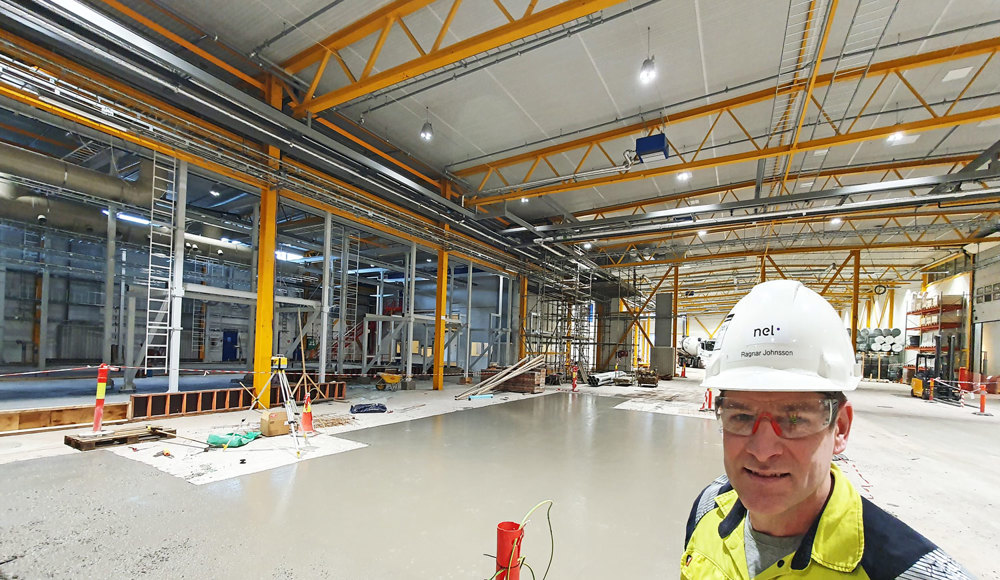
<point x="319" y="74"/>
<point x="950" y="160"/>
<point x="822" y="143"/>
<point x="931" y="58"/>
<point x="376" y="151"/>
<point x="175" y="38"/>
<point x="352" y="33"/>
<point x="801" y="250"/>
<point x="561" y="13"/>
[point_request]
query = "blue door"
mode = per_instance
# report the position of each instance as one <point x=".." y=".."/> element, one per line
<point x="230" y="340"/>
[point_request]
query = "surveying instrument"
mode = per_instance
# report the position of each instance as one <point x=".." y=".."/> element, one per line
<point x="278" y="366"/>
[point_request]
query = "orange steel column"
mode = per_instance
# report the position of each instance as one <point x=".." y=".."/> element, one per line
<point x="522" y="347"/>
<point x="854" y="296"/>
<point x="266" y="244"/>
<point x="440" y="304"/>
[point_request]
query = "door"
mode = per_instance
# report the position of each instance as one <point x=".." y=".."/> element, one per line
<point x="230" y="340"/>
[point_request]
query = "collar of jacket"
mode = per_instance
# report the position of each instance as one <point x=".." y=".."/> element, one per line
<point x="836" y="539"/>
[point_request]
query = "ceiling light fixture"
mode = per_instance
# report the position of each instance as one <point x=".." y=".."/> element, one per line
<point x="215" y="191"/>
<point x="524" y="200"/>
<point x="895" y="137"/>
<point x="427" y="132"/>
<point x="836" y="221"/>
<point x="648" y="70"/>
<point x="587" y="245"/>
<point x="702" y="232"/>
<point x="684" y="176"/>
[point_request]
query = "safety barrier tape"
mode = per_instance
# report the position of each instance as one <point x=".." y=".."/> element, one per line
<point x="204" y="372"/>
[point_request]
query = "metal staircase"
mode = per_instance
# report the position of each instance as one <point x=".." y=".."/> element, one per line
<point x="345" y="304"/>
<point x="198" y="324"/>
<point x="161" y="249"/>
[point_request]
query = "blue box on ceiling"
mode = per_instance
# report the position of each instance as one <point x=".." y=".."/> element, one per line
<point x="651" y="148"/>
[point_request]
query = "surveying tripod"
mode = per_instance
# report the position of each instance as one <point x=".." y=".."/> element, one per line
<point x="278" y="366"/>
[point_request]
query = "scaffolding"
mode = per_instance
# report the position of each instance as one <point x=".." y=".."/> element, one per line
<point x="559" y="324"/>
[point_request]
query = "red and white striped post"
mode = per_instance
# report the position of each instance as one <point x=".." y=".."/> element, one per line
<point x="706" y="403"/>
<point x="102" y="384"/>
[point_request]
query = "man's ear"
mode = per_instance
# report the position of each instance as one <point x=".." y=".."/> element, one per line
<point x="842" y="429"/>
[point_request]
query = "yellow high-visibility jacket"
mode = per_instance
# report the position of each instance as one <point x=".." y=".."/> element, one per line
<point x="851" y="538"/>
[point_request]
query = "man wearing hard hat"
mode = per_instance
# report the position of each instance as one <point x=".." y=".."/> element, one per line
<point x="783" y="363"/>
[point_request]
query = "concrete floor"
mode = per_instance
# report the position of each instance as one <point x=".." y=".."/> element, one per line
<point x="422" y="499"/>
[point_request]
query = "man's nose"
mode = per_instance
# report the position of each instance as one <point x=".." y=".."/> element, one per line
<point x="765" y="440"/>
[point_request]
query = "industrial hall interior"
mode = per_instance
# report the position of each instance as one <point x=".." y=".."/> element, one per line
<point x="427" y="288"/>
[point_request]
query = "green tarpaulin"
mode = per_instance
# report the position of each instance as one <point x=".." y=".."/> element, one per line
<point x="232" y="439"/>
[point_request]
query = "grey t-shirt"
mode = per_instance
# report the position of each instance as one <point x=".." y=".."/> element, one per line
<point x="764" y="550"/>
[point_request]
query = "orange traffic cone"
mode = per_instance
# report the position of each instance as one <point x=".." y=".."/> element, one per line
<point x="307" y="416"/>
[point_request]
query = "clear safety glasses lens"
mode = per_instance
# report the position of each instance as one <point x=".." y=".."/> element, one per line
<point x="790" y="421"/>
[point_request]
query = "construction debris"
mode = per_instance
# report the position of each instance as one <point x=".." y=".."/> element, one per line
<point x="647" y="378"/>
<point x="322" y="421"/>
<point x="493" y="382"/>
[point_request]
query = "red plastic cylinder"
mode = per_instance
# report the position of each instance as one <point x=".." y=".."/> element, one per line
<point x="508" y="554"/>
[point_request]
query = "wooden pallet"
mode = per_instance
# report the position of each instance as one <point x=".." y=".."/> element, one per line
<point x="129" y="436"/>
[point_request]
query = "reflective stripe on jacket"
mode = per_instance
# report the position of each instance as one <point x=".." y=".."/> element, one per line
<point x="852" y="538"/>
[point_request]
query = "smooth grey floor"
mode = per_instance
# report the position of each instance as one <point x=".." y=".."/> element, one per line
<point x="421" y="501"/>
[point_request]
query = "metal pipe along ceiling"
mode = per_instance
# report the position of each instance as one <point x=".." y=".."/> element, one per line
<point x="63" y="175"/>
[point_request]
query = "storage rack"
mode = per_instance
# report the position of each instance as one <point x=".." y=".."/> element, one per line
<point x="938" y="315"/>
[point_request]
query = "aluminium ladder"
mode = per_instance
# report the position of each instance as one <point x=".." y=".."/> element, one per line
<point x="161" y="256"/>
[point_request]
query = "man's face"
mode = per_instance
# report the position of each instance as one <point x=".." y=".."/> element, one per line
<point x="780" y="479"/>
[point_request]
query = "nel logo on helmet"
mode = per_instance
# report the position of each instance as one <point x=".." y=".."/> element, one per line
<point x="766" y="331"/>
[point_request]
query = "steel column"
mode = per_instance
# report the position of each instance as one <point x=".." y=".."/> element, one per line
<point x="3" y="306"/>
<point x="43" y="320"/>
<point x="345" y="249"/>
<point x="266" y="242"/>
<point x="892" y="304"/>
<point x="468" y="322"/>
<point x="264" y="333"/>
<point x="109" y="287"/>
<point x="252" y="316"/>
<point x="324" y="334"/>
<point x="854" y="296"/>
<point x="130" y="346"/>
<point x="522" y="313"/>
<point x="411" y="295"/>
<point x="440" y="318"/>
<point x="677" y="299"/>
<point x="177" y="282"/>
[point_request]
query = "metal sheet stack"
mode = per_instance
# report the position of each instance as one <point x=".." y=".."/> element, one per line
<point x="887" y="340"/>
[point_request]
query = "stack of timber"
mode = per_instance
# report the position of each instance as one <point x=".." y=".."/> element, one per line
<point x="530" y="382"/>
<point x="501" y="380"/>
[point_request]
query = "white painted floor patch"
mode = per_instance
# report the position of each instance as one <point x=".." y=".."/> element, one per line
<point x="191" y="463"/>
<point x="680" y="408"/>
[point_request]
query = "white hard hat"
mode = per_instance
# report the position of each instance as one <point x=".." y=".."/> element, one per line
<point x="782" y="336"/>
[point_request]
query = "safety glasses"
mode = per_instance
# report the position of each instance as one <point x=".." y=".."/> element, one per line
<point x="789" y="421"/>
